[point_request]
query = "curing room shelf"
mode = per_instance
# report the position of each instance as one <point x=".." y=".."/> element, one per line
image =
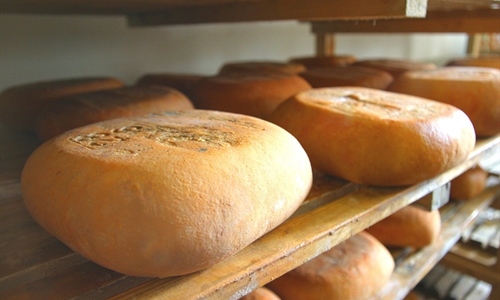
<point x="163" y="12"/>
<point x="36" y="265"/>
<point x="206" y="11"/>
<point x="456" y="217"/>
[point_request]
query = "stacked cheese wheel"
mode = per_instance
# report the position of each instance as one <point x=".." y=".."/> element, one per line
<point x="262" y="66"/>
<point x="354" y="270"/>
<point x="329" y="61"/>
<point x="374" y="137"/>
<point x="20" y="104"/>
<point x="251" y="93"/>
<point x="166" y="194"/>
<point x="408" y="227"/>
<point x="474" y="90"/>
<point x="87" y="108"/>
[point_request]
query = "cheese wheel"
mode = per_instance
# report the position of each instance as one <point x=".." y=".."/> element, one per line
<point x="469" y="184"/>
<point x="329" y="61"/>
<point x="376" y="137"/>
<point x="353" y="270"/>
<point x="408" y="227"/>
<point x="20" y="104"/>
<point x="396" y="67"/>
<point x="83" y="109"/>
<point x="261" y="293"/>
<point x="481" y="61"/>
<point x="167" y="194"/>
<point x="474" y="90"/>
<point x="262" y="66"/>
<point x="348" y="76"/>
<point x="181" y="82"/>
<point x="254" y="94"/>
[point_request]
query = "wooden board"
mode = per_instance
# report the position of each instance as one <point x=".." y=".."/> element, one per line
<point x="153" y="12"/>
<point x="468" y="21"/>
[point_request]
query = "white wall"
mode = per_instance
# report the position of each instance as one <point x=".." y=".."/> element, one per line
<point x="48" y="47"/>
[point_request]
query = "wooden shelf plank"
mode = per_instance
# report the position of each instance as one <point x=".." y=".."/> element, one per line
<point x="154" y="12"/>
<point x="442" y="15"/>
<point x="33" y="262"/>
<point x="464" y="5"/>
<point x="283" y="10"/>
<point x="469" y="21"/>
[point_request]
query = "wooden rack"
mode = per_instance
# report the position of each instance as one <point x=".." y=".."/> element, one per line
<point x="33" y="264"/>
<point x="36" y="265"/>
<point x="162" y="12"/>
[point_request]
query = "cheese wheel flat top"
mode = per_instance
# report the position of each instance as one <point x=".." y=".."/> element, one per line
<point x="358" y="101"/>
<point x="194" y="131"/>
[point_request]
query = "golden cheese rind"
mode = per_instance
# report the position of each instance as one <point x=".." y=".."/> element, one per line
<point x="20" y="104"/>
<point x="408" y="227"/>
<point x="353" y="270"/>
<point x="166" y="194"/>
<point x="83" y="109"/>
<point x="348" y="76"/>
<point x="375" y="137"/>
<point x="255" y="94"/>
<point x="396" y="67"/>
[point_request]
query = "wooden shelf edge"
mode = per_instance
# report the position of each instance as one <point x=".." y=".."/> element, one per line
<point x="463" y="21"/>
<point x="169" y="12"/>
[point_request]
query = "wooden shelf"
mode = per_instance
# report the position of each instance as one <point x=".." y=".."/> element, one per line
<point x="468" y="21"/>
<point x="162" y="12"/>
<point x="154" y="12"/>
<point x="456" y="217"/>
<point x="328" y="15"/>
<point x="34" y="264"/>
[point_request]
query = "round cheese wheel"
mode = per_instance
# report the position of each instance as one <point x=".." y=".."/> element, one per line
<point x="408" y="227"/>
<point x="469" y="184"/>
<point x="167" y="194"/>
<point x="181" y="82"/>
<point x="376" y="137"/>
<point x="83" y="109"/>
<point x="474" y="90"/>
<point x="481" y="61"/>
<point x="396" y="67"/>
<point x="254" y="94"/>
<point x="262" y="66"/>
<point x="353" y="270"/>
<point x="261" y="293"/>
<point x="20" y="104"/>
<point x="347" y="76"/>
<point x="328" y="61"/>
